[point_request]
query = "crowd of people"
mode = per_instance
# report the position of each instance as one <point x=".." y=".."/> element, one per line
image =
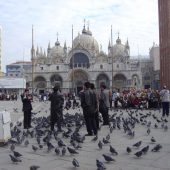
<point x="8" y="96"/>
<point x="95" y="101"/>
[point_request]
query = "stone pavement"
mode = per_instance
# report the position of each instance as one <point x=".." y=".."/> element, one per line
<point x="90" y="151"/>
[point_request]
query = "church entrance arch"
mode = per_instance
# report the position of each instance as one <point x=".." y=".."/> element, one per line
<point x="40" y="84"/>
<point x="102" y="79"/>
<point x="78" y="78"/>
<point x="56" y="80"/>
<point x="119" y="81"/>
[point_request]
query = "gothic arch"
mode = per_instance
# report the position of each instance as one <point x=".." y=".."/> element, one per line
<point x="56" y="79"/>
<point x="119" y="81"/>
<point x="102" y="79"/>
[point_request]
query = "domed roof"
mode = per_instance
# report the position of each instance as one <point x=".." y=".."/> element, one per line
<point x="57" y="50"/>
<point x="119" y="48"/>
<point x="86" y="41"/>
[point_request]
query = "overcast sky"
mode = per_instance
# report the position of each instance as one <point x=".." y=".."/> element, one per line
<point x="136" y="20"/>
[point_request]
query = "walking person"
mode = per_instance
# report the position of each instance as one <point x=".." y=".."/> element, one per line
<point x="57" y="102"/>
<point x="165" y="99"/>
<point x="104" y="103"/>
<point x="27" y="107"/>
<point x="88" y="104"/>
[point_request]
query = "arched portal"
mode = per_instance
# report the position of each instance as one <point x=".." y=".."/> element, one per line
<point x="102" y="79"/>
<point x="119" y="81"/>
<point x="56" y="80"/>
<point x="78" y="78"/>
<point x="40" y="84"/>
<point x="79" y="60"/>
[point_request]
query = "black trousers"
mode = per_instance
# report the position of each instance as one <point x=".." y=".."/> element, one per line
<point x="105" y="115"/>
<point x="27" y="119"/>
<point x="90" y="124"/>
<point x="97" y="119"/>
<point x="165" y="109"/>
<point x="56" y="119"/>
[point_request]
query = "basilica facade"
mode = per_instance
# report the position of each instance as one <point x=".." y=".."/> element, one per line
<point x="85" y="61"/>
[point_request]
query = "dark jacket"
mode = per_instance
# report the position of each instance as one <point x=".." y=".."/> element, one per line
<point x="57" y="102"/>
<point x="27" y="106"/>
<point x="88" y="102"/>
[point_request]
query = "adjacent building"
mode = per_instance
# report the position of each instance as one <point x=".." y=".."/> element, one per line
<point x="164" y="38"/>
<point x="18" y="69"/>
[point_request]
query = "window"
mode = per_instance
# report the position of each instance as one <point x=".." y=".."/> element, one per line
<point x="41" y="68"/>
<point x="101" y="66"/>
<point x="117" y="65"/>
<point x="57" y="67"/>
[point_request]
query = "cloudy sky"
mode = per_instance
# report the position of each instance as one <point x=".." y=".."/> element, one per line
<point x="136" y="20"/>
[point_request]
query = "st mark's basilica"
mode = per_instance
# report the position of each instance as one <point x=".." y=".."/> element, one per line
<point x="85" y="61"/>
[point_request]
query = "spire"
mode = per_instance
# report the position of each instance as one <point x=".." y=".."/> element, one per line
<point x="49" y="45"/>
<point x="88" y="30"/>
<point x="57" y="43"/>
<point x="37" y="51"/>
<point x="65" y="46"/>
<point x="127" y="44"/>
<point x="118" y="41"/>
<point x="84" y="31"/>
<point x="109" y="45"/>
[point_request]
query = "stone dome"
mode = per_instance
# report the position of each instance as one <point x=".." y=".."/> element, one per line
<point x="56" y="51"/>
<point x="119" y="48"/>
<point x="86" y="41"/>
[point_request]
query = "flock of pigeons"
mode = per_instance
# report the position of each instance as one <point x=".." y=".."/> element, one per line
<point x="39" y="137"/>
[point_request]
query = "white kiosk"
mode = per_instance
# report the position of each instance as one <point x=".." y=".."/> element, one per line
<point x="5" y="131"/>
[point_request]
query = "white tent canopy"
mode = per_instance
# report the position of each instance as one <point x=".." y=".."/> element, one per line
<point x="12" y="83"/>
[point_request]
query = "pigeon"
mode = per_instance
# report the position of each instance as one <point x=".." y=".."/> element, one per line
<point x="165" y="128"/>
<point x="138" y="154"/>
<point x="17" y="154"/>
<point x="26" y="143"/>
<point x="137" y="144"/>
<point x="72" y="151"/>
<point x="50" y="146"/>
<point x="63" y="151"/>
<point x="61" y="143"/>
<point x="145" y="149"/>
<point x="156" y="148"/>
<point x="75" y="163"/>
<point x="100" y="165"/>
<point x="100" y="145"/>
<point x="129" y="150"/>
<point x="34" y="167"/>
<point x="108" y="158"/>
<point x="148" y="131"/>
<point x="35" y="148"/>
<point x="108" y="137"/>
<point x="12" y="147"/>
<point x="57" y="151"/>
<point x="113" y="150"/>
<point x="105" y="141"/>
<point x="153" y="140"/>
<point x="95" y="138"/>
<point x="14" y="159"/>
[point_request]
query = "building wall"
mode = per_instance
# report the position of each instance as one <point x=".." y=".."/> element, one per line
<point x="164" y="37"/>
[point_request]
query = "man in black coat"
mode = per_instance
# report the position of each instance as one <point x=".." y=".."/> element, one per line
<point x="27" y="107"/>
<point x="88" y="104"/>
<point x="57" y="102"/>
